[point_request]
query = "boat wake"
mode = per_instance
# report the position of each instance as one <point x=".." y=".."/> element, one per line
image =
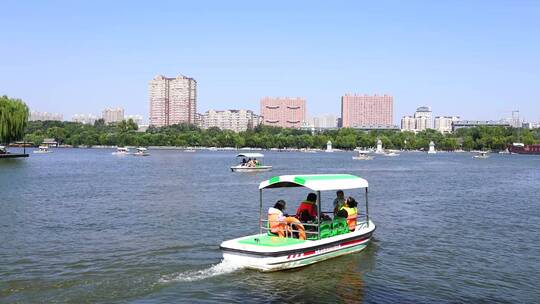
<point x="224" y="267"/>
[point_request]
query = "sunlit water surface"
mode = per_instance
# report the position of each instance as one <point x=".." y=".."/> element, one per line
<point x="82" y="225"/>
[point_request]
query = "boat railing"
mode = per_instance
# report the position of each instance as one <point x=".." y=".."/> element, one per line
<point x="265" y="227"/>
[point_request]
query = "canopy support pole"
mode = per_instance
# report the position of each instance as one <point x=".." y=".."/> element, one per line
<point x="260" y="211"/>
<point x="367" y="211"/>
<point x="319" y="217"/>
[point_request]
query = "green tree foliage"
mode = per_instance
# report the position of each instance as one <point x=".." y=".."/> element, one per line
<point x="13" y="119"/>
<point x="124" y="133"/>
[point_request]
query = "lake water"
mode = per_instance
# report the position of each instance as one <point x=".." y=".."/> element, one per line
<point x="82" y="225"/>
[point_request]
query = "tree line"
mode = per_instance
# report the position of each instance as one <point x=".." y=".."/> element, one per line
<point x="14" y="126"/>
<point x="125" y="134"/>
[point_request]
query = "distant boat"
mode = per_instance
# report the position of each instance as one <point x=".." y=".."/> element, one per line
<point x="391" y="154"/>
<point x="141" y="152"/>
<point x="520" y="148"/>
<point x="190" y="150"/>
<point x="363" y="155"/>
<point x="250" y="163"/>
<point x="42" y="150"/>
<point x="121" y="151"/>
<point x="481" y="155"/>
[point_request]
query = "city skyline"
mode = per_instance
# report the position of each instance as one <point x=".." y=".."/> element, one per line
<point x="477" y="68"/>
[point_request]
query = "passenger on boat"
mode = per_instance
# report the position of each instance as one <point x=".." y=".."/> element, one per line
<point x="283" y="225"/>
<point x="244" y="162"/>
<point x="339" y="201"/>
<point x="307" y="211"/>
<point x="352" y="212"/>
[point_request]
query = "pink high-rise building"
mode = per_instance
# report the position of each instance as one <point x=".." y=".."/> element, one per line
<point x="172" y="100"/>
<point x="283" y="112"/>
<point x="358" y="111"/>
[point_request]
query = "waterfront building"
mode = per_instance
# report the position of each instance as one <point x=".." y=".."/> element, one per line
<point x="283" y="112"/>
<point x="113" y="115"/>
<point x="408" y="123"/>
<point x="443" y="124"/>
<point x="87" y="119"/>
<point x="478" y="123"/>
<point x="138" y="119"/>
<point x="43" y="116"/>
<point x="172" y="100"/>
<point x="235" y="120"/>
<point x="423" y="118"/>
<point x="363" y="111"/>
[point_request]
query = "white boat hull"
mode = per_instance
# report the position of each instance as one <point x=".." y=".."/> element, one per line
<point x="250" y="169"/>
<point x="42" y="152"/>
<point x="279" y="258"/>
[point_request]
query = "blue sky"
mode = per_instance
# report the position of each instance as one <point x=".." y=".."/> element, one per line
<point x="476" y="59"/>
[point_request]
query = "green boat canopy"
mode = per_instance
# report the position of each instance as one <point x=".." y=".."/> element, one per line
<point x="316" y="182"/>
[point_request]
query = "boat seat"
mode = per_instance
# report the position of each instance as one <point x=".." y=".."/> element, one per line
<point x="339" y="226"/>
<point x="326" y="229"/>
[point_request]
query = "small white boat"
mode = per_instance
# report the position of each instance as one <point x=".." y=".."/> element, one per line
<point x="121" y="151"/>
<point x="141" y="152"/>
<point x="189" y="150"/>
<point x="307" y="151"/>
<point x="506" y="151"/>
<point x="42" y="150"/>
<point x="391" y="154"/>
<point x="363" y="155"/>
<point x="266" y="251"/>
<point x="251" y="162"/>
<point x="481" y="155"/>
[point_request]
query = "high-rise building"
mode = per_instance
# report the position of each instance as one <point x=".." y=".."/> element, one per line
<point x="43" y="116"/>
<point x="424" y="118"/>
<point x="172" y="100"/>
<point x="87" y="119"/>
<point x="283" y="112"/>
<point x="443" y="124"/>
<point x="361" y="111"/>
<point x="235" y="120"/>
<point x="112" y="115"/>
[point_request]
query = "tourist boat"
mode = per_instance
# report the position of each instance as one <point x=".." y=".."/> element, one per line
<point x="328" y="239"/>
<point x="121" y="151"/>
<point x="42" y="150"/>
<point x="141" y="152"/>
<point x="245" y="166"/>
<point x="519" y="148"/>
<point x="481" y="155"/>
<point x="391" y="154"/>
<point x="363" y="155"/>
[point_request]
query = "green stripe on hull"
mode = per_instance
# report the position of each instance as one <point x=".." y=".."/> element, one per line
<point x="270" y="241"/>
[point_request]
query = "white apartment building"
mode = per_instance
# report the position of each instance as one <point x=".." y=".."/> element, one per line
<point x="112" y="115"/>
<point x="421" y="120"/>
<point x="87" y="119"/>
<point x="408" y="123"/>
<point x="443" y="124"/>
<point x="324" y="121"/>
<point x="235" y="120"/>
<point x="43" y="116"/>
<point x="424" y="118"/>
<point x="172" y="100"/>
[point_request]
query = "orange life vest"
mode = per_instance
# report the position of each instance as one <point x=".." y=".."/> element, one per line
<point x="276" y="224"/>
<point x="351" y="217"/>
